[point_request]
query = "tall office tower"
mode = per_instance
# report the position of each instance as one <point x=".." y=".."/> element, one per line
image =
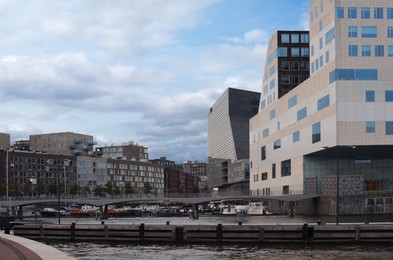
<point x="228" y="140"/>
<point x="334" y="132"/>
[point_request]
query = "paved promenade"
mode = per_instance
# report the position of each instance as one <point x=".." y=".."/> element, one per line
<point x="19" y="248"/>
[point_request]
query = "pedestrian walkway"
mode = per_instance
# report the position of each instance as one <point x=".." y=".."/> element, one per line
<point x="19" y="248"/>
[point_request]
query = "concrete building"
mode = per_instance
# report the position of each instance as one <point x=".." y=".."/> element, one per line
<point x="66" y="143"/>
<point x="5" y="141"/>
<point x="129" y="151"/>
<point x="337" y="126"/>
<point x="228" y="140"/>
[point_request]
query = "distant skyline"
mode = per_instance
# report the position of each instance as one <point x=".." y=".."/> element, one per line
<point x="143" y="71"/>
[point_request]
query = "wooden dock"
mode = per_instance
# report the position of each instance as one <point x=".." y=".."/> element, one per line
<point x="188" y="234"/>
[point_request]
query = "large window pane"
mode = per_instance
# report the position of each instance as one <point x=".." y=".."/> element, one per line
<point x="352" y="12"/>
<point x="370" y="127"/>
<point x="292" y="101"/>
<point x="370" y="96"/>
<point x="282" y="52"/>
<point x="389" y="127"/>
<point x="277" y="144"/>
<point x="295" y="52"/>
<point x="390" y="31"/>
<point x="316" y="132"/>
<point x="389" y="95"/>
<point x="378" y="13"/>
<point x="366" y="50"/>
<point x="330" y="35"/>
<point x="369" y="31"/>
<point x="295" y="38"/>
<point x="339" y="12"/>
<point x="365" y="12"/>
<point x="301" y="114"/>
<point x="379" y="51"/>
<point x="323" y="102"/>
<point x="390" y="13"/>
<point x="284" y="38"/>
<point x="352" y="31"/>
<point x="304" y="38"/>
<point x="286" y="168"/>
<point x="352" y="50"/>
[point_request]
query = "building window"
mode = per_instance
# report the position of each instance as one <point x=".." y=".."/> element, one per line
<point x="282" y="52"/>
<point x="294" y="38"/>
<point x="316" y="132"/>
<point x="378" y="13"/>
<point x="323" y="102"/>
<point x="389" y="95"/>
<point x="265" y="132"/>
<point x="285" y="79"/>
<point x="295" y="65"/>
<point x="390" y="13"/>
<point x="327" y="56"/>
<point x="284" y="38"/>
<point x="339" y="12"/>
<point x="285" y="189"/>
<point x="264" y="176"/>
<point x="304" y="38"/>
<point x="389" y="127"/>
<point x="352" y="31"/>
<point x="305" y="65"/>
<point x="370" y="96"/>
<point x="365" y="12"/>
<point x="295" y="80"/>
<point x="304" y="52"/>
<point x="273" y="171"/>
<point x="390" y="50"/>
<point x="272" y="114"/>
<point x="296" y="136"/>
<point x="321" y="61"/>
<point x="277" y="144"/>
<point x="390" y="31"/>
<point x="320" y="43"/>
<point x="285" y="65"/>
<point x="286" y="168"/>
<point x="295" y="52"/>
<point x="370" y="127"/>
<point x="352" y="50"/>
<point x="312" y="50"/>
<point x="366" y="51"/>
<point x="369" y="31"/>
<point x="379" y="51"/>
<point x="320" y="26"/>
<point x="292" y="101"/>
<point x="353" y="74"/>
<point x="301" y="114"/>
<point x="263" y="153"/>
<point x="352" y="12"/>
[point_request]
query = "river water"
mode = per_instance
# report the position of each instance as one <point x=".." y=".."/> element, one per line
<point x="117" y="251"/>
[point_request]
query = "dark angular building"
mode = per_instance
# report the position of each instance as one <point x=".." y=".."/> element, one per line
<point x="228" y="140"/>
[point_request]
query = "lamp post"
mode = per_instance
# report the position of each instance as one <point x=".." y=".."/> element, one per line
<point x="66" y="163"/>
<point x="337" y="184"/>
<point x="7" y="182"/>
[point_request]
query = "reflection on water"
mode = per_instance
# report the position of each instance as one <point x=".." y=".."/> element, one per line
<point x="96" y="250"/>
<point x="90" y="251"/>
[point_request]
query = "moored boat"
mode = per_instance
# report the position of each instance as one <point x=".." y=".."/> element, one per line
<point x="256" y="208"/>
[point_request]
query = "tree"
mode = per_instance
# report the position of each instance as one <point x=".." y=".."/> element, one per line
<point x="52" y="188"/>
<point x="74" y="189"/>
<point x="147" y="188"/>
<point x="40" y="188"/>
<point x="99" y="191"/>
<point x="109" y="187"/>
<point x="86" y="190"/>
<point x="128" y="189"/>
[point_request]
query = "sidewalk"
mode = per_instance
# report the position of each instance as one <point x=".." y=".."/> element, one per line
<point x="19" y="248"/>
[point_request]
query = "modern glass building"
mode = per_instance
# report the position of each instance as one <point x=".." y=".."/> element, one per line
<point x="228" y="140"/>
<point x="337" y="126"/>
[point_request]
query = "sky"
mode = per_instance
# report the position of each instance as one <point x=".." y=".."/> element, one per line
<point x="145" y="71"/>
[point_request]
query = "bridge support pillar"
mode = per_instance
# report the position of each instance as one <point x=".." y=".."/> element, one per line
<point x="20" y="213"/>
<point x="195" y="212"/>
<point x="105" y="214"/>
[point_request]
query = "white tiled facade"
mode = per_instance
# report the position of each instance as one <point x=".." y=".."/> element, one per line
<point x="347" y="101"/>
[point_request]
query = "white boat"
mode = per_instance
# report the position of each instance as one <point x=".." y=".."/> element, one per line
<point x="232" y="207"/>
<point x="256" y="208"/>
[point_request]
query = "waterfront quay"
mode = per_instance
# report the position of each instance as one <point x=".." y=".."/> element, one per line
<point x="211" y="234"/>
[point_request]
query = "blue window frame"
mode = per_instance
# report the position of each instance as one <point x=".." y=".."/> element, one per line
<point x="296" y="136"/>
<point x="352" y="12"/>
<point x="352" y="50"/>
<point x="316" y="132"/>
<point x="282" y="52"/>
<point x="339" y="12"/>
<point x="323" y="102"/>
<point x="352" y="31"/>
<point x="389" y="127"/>
<point x="370" y="127"/>
<point x="265" y="132"/>
<point x="369" y="32"/>
<point x="330" y="35"/>
<point x="390" y="31"/>
<point x="366" y="50"/>
<point x="390" y="50"/>
<point x="389" y="95"/>
<point x="370" y="96"/>
<point x="277" y="144"/>
<point x="378" y="13"/>
<point x="353" y="74"/>
<point x="292" y="101"/>
<point x="302" y="113"/>
<point x="379" y="51"/>
<point x="285" y="38"/>
<point x="365" y="11"/>
<point x="390" y="13"/>
<point x="304" y="38"/>
<point x="272" y="114"/>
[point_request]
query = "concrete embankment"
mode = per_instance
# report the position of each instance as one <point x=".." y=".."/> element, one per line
<point x="15" y="247"/>
<point x="182" y="234"/>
